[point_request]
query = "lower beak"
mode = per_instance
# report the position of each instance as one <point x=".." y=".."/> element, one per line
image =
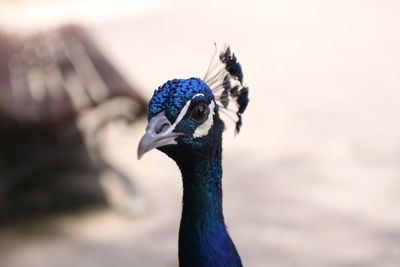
<point x="159" y="132"/>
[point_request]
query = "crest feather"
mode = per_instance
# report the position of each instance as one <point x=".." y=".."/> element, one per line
<point x="225" y="78"/>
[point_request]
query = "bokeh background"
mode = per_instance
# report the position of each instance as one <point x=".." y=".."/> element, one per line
<point x="313" y="179"/>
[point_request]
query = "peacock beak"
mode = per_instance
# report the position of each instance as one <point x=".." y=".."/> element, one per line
<point x="159" y="132"/>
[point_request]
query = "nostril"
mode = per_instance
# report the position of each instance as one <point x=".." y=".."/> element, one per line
<point x="163" y="127"/>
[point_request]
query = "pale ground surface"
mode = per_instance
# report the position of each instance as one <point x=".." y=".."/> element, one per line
<point x="314" y="177"/>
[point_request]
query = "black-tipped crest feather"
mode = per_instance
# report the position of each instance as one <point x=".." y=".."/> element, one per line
<point x="230" y="79"/>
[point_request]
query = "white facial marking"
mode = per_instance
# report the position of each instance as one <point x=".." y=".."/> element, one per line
<point x="182" y="114"/>
<point x="202" y="129"/>
<point x="205" y="127"/>
<point x="168" y="141"/>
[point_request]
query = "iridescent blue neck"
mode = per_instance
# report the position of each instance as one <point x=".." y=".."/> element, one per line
<point x="203" y="238"/>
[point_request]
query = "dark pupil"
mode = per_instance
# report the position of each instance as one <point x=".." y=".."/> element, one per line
<point x="199" y="113"/>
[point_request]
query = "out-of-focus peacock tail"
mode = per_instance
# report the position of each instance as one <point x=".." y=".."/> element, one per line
<point x="224" y="76"/>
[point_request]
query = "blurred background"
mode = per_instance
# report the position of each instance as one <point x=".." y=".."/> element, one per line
<point x="313" y="179"/>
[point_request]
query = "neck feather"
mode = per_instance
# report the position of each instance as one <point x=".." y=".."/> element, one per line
<point x="203" y="238"/>
<point x="202" y="190"/>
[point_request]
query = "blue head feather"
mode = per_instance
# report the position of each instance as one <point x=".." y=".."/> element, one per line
<point x="174" y="94"/>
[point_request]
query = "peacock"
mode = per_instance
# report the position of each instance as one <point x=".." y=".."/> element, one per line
<point x="184" y="122"/>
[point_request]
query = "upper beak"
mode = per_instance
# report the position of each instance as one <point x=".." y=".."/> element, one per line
<point x="159" y="132"/>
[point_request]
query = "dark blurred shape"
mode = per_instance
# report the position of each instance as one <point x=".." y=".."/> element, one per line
<point x="47" y="81"/>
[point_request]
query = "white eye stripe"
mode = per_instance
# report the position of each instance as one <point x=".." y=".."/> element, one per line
<point x="205" y="127"/>
<point x="196" y="95"/>
<point x="183" y="112"/>
<point x="202" y="129"/>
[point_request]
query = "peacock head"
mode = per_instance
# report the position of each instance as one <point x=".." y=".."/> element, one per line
<point x="184" y="119"/>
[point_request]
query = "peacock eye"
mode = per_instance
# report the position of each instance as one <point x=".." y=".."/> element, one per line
<point x="200" y="112"/>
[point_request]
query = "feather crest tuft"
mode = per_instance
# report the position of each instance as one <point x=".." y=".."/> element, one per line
<point x="225" y="78"/>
